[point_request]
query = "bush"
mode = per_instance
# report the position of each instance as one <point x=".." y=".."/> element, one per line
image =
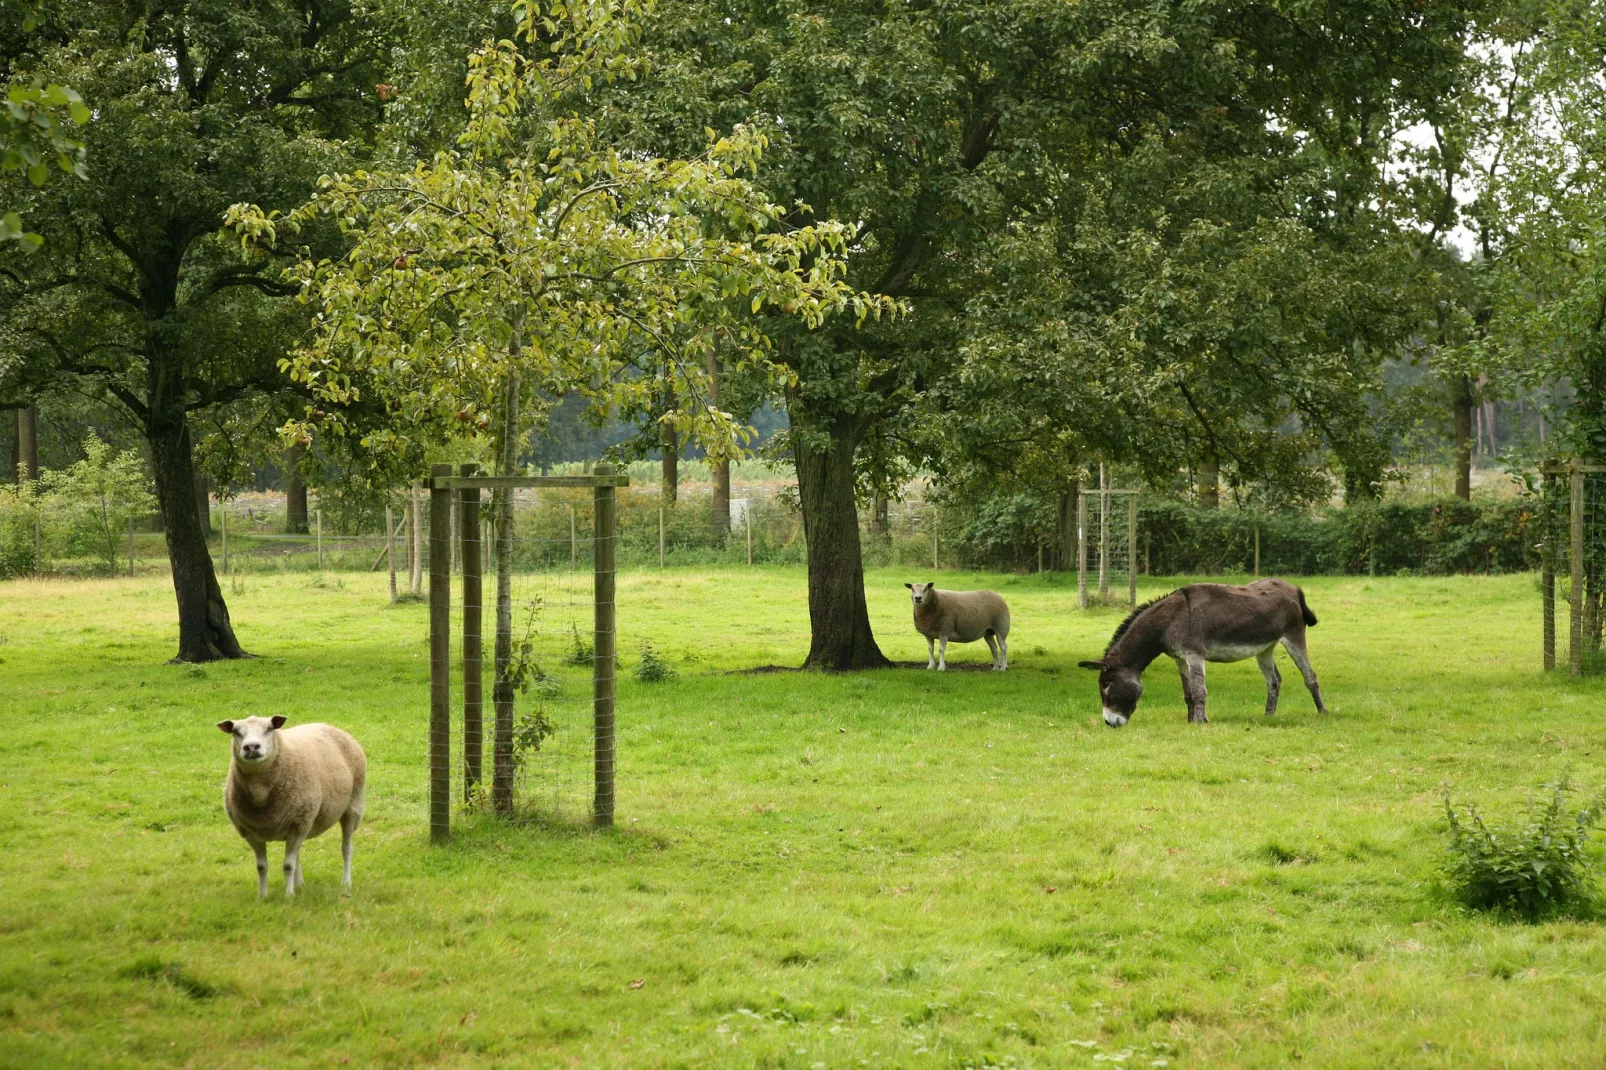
<point x="1533" y="869"/>
<point x="88" y="504"/>
<point x="652" y="668"/>
<point x="19" y="509"/>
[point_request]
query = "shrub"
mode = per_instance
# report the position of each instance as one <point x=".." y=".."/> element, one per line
<point x="1535" y="868"/>
<point x="19" y="510"/>
<point x="652" y="668"/>
<point x="89" y="503"/>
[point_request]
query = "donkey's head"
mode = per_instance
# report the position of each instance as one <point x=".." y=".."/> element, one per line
<point x="1120" y="687"/>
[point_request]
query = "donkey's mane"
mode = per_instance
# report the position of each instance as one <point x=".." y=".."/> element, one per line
<point x="1131" y="618"/>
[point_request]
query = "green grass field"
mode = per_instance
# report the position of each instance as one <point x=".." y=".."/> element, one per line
<point x="896" y="868"/>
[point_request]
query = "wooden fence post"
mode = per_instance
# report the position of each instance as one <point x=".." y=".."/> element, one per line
<point x="317" y="520"/>
<point x="574" y="543"/>
<point x="223" y="519"/>
<point x="1547" y="569"/>
<point x="1104" y="533"/>
<point x="1257" y="551"/>
<point x="602" y="663"/>
<point x="468" y="529"/>
<point x="1575" y="625"/>
<point x="1081" y="551"/>
<point x="440" y="647"/>
<point x="1132" y="548"/>
<point x="131" y="544"/>
<point x="390" y="550"/>
<point x="747" y="520"/>
<point x="660" y="536"/>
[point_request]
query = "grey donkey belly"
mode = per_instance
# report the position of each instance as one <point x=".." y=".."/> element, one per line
<point x="1236" y="651"/>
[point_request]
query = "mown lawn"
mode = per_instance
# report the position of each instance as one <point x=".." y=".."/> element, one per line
<point x="885" y="869"/>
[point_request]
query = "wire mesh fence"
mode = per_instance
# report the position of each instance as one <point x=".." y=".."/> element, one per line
<point x="1106" y="557"/>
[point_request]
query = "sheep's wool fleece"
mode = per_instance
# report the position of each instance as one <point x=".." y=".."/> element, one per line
<point x="312" y="781"/>
<point x="963" y="616"/>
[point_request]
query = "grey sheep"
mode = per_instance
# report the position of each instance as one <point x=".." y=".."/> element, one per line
<point x="963" y="617"/>
<point x="290" y="785"/>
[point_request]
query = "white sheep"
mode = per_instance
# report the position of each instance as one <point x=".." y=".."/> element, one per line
<point x="963" y="617"/>
<point x="290" y="785"/>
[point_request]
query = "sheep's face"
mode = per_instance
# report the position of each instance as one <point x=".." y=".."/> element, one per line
<point x="256" y="739"/>
<point x="922" y="593"/>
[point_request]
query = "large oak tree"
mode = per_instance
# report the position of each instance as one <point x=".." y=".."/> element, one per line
<point x="136" y="291"/>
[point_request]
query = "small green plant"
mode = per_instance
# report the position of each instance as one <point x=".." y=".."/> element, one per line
<point x="1535" y="868"/>
<point x="580" y="651"/>
<point x="652" y="668"/>
<point x="529" y="732"/>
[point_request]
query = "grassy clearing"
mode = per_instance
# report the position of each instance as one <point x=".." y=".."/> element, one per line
<point x="887" y="869"/>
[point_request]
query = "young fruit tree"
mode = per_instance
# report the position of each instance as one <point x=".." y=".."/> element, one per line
<point x="534" y="261"/>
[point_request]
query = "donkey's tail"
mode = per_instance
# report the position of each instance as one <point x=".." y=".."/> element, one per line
<point x="1304" y="610"/>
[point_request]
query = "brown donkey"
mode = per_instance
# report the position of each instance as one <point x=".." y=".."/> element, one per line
<point x="1206" y="622"/>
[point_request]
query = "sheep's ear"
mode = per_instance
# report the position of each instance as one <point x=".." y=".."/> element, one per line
<point x="226" y="727"/>
<point x="910" y="586"/>
<point x="277" y="720"/>
<point x="1091" y="664"/>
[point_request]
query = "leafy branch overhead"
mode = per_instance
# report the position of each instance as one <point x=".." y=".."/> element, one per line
<point x="35" y="126"/>
<point x="536" y="249"/>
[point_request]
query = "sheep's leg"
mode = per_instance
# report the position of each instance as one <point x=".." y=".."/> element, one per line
<point x="992" y="645"/>
<point x="1003" y="653"/>
<point x="1274" y="679"/>
<point x="348" y="828"/>
<point x="942" y="654"/>
<point x="292" y="862"/>
<point x="1296" y="650"/>
<point x="261" y="851"/>
<point x="931" y="653"/>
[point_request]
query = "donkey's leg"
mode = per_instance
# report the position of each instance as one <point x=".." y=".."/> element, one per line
<point x="1295" y="645"/>
<point x="992" y="645"/>
<point x="1187" y="685"/>
<point x="1274" y="679"/>
<point x="1196" y="678"/>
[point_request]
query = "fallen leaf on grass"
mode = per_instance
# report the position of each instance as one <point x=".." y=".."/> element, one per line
<point x="638" y="982"/>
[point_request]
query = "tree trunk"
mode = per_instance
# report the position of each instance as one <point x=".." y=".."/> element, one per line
<point x="28" y="441"/>
<point x="204" y="630"/>
<point x="670" y="482"/>
<point x="720" y="504"/>
<point x="203" y="502"/>
<point x="502" y="688"/>
<point x="880" y="516"/>
<point x="839" y="621"/>
<point x="1462" y="407"/>
<point x="295" y="491"/>
<point x="1065" y="552"/>
<point x="13" y="444"/>
<point x="1209" y="484"/>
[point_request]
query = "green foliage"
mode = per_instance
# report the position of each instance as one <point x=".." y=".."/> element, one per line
<point x="34" y="134"/>
<point x="539" y="254"/>
<point x="580" y="652"/>
<point x="651" y="668"/>
<point x="1534" y="868"/>
<point x="90" y="503"/>
<point x="529" y="732"/>
<point x="20" y="514"/>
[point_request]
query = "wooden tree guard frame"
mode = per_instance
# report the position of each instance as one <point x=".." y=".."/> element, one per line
<point x="463" y="491"/>
<point x="1575" y="472"/>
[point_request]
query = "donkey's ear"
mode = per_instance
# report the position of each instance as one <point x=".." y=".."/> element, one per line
<point x="1091" y="664"/>
<point x="277" y="720"/>
<point x="226" y="727"/>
